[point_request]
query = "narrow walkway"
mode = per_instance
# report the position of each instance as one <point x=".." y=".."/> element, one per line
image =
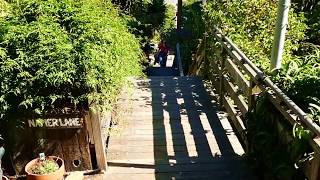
<point x="174" y="132"/>
<point x="169" y="70"/>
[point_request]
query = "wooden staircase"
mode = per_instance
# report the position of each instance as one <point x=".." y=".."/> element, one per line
<point x="173" y="130"/>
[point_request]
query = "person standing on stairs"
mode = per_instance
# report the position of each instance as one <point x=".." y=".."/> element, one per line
<point x="163" y="53"/>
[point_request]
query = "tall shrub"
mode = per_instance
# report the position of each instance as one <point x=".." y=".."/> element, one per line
<point x="58" y="53"/>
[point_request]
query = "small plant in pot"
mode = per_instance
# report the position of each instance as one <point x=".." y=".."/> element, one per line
<point x="45" y="168"/>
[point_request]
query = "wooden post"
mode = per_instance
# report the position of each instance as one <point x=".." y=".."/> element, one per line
<point x="206" y="63"/>
<point x="315" y="167"/>
<point x="312" y="167"/>
<point x="251" y="97"/>
<point x="224" y="56"/>
<point x="98" y="139"/>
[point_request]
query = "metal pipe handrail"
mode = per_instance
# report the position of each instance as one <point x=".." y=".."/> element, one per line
<point x="266" y="80"/>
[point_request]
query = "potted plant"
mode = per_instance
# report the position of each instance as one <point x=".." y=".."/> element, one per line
<point x="45" y="168"/>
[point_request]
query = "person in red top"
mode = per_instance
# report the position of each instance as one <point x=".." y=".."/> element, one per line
<point x="163" y="53"/>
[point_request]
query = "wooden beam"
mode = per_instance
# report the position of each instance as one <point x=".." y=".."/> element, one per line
<point x="311" y="167"/>
<point x="236" y="58"/>
<point x="89" y="128"/>
<point x="236" y="120"/>
<point x="99" y="140"/>
<point x="238" y="99"/>
<point x="237" y="76"/>
<point x="292" y="118"/>
<point x="221" y="74"/>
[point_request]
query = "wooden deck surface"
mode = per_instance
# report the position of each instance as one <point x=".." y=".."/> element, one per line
<point x="173" y="131"/>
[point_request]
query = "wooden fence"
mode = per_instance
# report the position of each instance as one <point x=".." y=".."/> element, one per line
<point x="239" y="82"/>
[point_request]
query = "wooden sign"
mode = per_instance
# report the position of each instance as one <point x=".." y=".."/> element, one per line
<point x="56" y="123"/>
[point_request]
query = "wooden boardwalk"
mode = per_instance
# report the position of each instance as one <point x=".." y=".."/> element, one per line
<point x="173" y="131"/>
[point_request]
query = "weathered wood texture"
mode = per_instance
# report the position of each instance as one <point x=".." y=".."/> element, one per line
<point x="98" y="125"/>
<point x="70" y="144"/>
<point x="238" y="81"/>
<point x="175" y="132"/>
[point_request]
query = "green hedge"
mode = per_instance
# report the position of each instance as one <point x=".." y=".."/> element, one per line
<point x="58" y="53"/>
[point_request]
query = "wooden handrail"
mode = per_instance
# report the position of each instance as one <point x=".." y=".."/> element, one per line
<point x="263" y="80"/>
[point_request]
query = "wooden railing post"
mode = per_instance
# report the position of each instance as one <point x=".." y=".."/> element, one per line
<point x="179" y="61"/>
<point x="224" y="56"/>
<point x="315" y="167"/>
<point x="206" y="64"/>
<point x="251" y="96"/>
<point x="98" y="121"/>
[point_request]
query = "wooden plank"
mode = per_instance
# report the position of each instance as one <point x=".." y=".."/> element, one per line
<point x="221" y="74"/>
<point x="238" y="60"/>
<point x="75" y="148"/>
<point x="99" y="143"/>
<point x="89" y="128"/>
<point x="251" y="97"/>
<point x="215" y="82"/>
<point x="216" y="167"/>
<point x="237" y="76"/>
<point x="311" y="167"/>
<point x="236" y="120"/>
<point x="238" y="99"/>
<point x="83" y="141"/>
<point x="170" y="135"/>
<point x="292" y="118"/>
<point x="215" y="67"/>
<point x="201" y="175"/>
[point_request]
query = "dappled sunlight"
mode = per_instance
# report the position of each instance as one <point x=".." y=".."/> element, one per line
<point x="175" y="133"/>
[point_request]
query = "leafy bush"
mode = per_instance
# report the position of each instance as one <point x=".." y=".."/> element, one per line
<point x="168" y="29"/>
<point x="300" y="79"/>
<point x="144" y="17"/>
<point x="59" y="53"/>
<point x="311" y="9"/>
<point x="250" y="24"/>
<point x="193" y="29"/>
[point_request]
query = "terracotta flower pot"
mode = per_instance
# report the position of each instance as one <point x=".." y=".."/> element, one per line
<point x="57" y="175"/>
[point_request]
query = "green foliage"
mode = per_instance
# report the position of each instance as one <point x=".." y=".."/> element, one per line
<point x="132" y="6"/>
<point x="311" y="8"/>
<point x="44" y="167"/>
<point x="272" y="149"/>
<point x="193" y="29"/>
<point x="314" y="108"/>
<point x="144" y="17"/>
<point x="63" y="53"/>
<point x="4" y="8"/>
<point x="299" y="78"/>
<point x="250" y="24"/>
<point x="168" y="29"/>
